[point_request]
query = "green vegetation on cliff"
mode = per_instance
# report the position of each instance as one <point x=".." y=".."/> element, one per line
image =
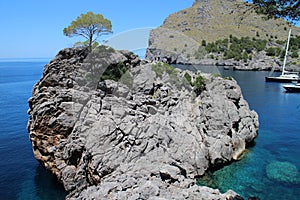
<point x="161" y="68"/>
<point x="114" y="72"/>
<point x="295" y="46"/>
<point x="198" y="84"/>
<point x="238" y="49"/>
<point x="245" y="47"/>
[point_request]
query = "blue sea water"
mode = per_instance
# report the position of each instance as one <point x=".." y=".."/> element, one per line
<point x="22" y="177"/>
<point x="278" y="142"/>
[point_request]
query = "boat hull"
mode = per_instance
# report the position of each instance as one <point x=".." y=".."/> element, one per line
<point x="291" y="88"/>
<point x="281" y="80"/>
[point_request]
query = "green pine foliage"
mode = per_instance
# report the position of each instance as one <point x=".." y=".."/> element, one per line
<point x="90" y="26"/>
<point x="288" y="9"/>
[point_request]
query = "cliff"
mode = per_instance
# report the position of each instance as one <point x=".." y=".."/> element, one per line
<point x="180" y="38"/>
<point x="111" y="126"/>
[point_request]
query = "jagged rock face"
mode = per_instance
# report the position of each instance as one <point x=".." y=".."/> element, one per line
<point x="143" y="136"/>
<point x="167" y="45"/>
<point x="51" y="120"/>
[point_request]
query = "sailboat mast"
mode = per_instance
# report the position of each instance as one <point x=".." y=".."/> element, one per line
<point x="286" y="51"/>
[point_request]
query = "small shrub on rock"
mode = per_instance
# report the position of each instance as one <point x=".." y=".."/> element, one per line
<point x="160" y="68"/>
<point x="199" y="85"/>
<point x="114" y="72"/>
<point x="188" y="77"/>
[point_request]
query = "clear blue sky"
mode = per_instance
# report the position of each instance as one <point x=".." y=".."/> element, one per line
<point x="34" y="28"/>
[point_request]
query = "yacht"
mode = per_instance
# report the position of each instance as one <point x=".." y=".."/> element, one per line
<point x="286" y="76"/>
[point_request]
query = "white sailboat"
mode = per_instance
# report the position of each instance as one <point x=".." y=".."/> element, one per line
<point x="286" y="76"/>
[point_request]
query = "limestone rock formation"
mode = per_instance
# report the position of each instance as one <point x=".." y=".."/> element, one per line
<point x="111" y="126"/>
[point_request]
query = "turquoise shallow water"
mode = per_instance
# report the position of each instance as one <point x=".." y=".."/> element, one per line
<point x="270" y="169"/>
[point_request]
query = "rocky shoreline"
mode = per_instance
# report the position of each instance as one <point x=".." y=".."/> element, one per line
<point x="261" y="62"/>
<point x="142" y="135"/>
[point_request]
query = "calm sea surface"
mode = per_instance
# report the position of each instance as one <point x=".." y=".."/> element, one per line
<point x="270" y="169"/>
<point x="21" y="176"/>
<point x="259" y="173"/>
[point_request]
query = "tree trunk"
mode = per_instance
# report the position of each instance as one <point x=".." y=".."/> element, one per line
<point x="91" y="42"/>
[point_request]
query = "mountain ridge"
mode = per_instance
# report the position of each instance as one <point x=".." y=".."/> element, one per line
<point x="181" y="37"/>
<point x="216" y="19"/>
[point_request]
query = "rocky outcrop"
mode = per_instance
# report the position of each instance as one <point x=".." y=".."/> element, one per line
<point x="171" y="46"/>
<point x="142" y="133"/>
